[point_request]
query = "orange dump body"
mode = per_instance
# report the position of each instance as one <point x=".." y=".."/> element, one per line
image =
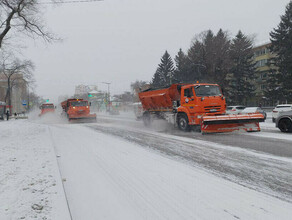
<point x="203" y="104"/>
<point x="159" y="100"/>
<point x="77" y="109"/>
<point x="45" y="108"/>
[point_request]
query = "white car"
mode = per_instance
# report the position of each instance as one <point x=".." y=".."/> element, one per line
<point x="254" y="110"/>
<point x="284" y="121"/>
<point x="232" y="110"/>
<point x="280" y="108"/>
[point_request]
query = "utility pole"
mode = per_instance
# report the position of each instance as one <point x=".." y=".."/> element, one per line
<point x="108" y="93"/>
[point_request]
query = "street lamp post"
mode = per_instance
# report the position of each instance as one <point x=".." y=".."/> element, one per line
<point x="108" y="93"/>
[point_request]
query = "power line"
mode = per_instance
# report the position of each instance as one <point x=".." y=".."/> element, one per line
<point x="70" y="2"/>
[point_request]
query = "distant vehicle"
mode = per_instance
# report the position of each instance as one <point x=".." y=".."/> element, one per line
<point x="46" y="108"/>
<point x="280" y="108"/>
<point x="2" y="108"/>
<point x="232" y="110"/>
<point x="254" y="110"/>
<point x="284" y="121"/>
<point x="138" y="110"/>
<point x="78" y="109"/>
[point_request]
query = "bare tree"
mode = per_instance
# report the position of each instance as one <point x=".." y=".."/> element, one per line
<point x="15" y="70"/>
<point x="23" y="17"/>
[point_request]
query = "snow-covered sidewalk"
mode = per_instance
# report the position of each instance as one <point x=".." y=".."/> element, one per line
<point x="30" y="182"/>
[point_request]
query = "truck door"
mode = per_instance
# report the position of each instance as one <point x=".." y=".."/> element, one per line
<point x="188" y="98"/>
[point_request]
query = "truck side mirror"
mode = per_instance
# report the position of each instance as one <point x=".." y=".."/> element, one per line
<point x="89" y="103"/>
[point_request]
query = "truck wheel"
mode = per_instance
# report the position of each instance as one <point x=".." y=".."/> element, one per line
<point x="147" y="119"/>
<point x="285" y="125"/>
<point x="183" y="122"/>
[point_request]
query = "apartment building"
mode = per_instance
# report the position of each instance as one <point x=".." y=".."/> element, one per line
<point x="262" y="55"/>
<point x="19" y="92"/>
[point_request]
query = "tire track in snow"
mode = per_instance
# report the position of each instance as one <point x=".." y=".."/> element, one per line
<point x="264" y="174"/>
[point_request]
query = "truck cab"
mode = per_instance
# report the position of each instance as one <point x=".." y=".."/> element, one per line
<point x="46" y="108"/>
<point x="197" y="100"/>
<point x="78" y="107"/>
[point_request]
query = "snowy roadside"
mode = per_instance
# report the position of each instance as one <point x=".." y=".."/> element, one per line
<point x="30" y="182"/>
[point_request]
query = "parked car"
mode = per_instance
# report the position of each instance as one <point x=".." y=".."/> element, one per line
<point x="284" y="121"/>
<point x="232" y="110"/>
<point x="280" y="108"/>
<point x="254" y="110"/>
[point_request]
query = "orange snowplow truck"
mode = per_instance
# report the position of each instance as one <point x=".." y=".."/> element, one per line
<point x="47" y="107"/>
<point x="77" y="109"/>
<point x="195" y="105"/>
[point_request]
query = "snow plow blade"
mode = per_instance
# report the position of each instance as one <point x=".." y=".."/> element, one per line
<point x="80" y="119"/>
<point x="229" y="123"/>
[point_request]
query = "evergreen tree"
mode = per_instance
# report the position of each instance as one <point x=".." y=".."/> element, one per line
<point x="181" y="68"/>
<point x="273" y="91"/>
<point x="221" y="58"/>
<point x="243" y="69"/>
<point x="281" y="38"/>
<point x="209" y="57"/>
<point x="164" y="73"/>
<point x="196" y="62"/>
<point x="209" y="53"/>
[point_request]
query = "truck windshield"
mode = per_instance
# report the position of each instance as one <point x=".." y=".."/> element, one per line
<point x="207" y="90"/>
<point x="79" y="103"/>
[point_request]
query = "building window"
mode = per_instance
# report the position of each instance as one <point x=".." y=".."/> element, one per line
<point x="263" y="75"/>
<point x="261" y="63"/>
<point x="261" y="52"/>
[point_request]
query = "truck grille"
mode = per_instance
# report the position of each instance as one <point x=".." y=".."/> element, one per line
<point x="214" y="108"/>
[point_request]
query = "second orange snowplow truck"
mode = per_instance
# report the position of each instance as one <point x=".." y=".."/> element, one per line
<point x="46" y="108"/>
<point x="195" y="105"/>
<point x="78" y="109"/>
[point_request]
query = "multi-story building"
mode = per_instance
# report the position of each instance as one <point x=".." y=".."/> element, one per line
<point x="81" y="90"/>
<point x="262" y="55"/>
<point x="19" y="92"/>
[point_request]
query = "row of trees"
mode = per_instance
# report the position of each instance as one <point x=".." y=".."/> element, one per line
<point x="279" y="83"/>
<point x="212" y="58"/>
<point x="216" y="58"/>
<point x="19" y="19"/>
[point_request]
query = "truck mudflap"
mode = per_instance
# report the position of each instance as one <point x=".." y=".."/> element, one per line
<point x="229" y="123"/>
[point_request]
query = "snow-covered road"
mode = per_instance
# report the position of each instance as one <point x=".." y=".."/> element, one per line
<point x="118" y="171"/>
<point x="110" y="178"/>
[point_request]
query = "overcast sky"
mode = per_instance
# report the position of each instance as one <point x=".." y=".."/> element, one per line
<point x="119" y="41"/>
